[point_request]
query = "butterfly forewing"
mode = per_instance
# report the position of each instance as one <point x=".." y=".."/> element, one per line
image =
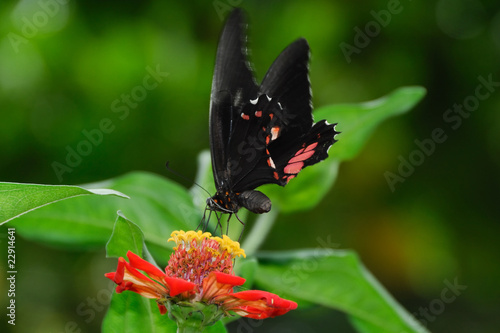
<point x="287" y="81"/>
<point x="232" y="83"/>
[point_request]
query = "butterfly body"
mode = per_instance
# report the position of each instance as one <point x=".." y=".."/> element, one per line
<point x="260" y="134"/>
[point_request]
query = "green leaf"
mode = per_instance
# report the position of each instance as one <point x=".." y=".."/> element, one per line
<point x="335" y="279"/>
<point x="130" y="312"/>
<point x="158" y="205"/>
<point x="126" y="236"/>
<point x="356" y="122"/>
<point x="17" y="199"/>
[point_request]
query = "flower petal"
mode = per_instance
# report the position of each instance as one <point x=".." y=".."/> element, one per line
<point x="163" y="308"/>
<point x="229" y="279"/>
<point x="258" y="304"/>
<point x="219" y="284"/>
<point x="177" y="286"/>
<point x="143" y="265"/>
<point x="128" y="278"/>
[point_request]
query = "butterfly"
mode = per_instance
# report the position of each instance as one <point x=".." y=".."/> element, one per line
<point x="260" y="134"/>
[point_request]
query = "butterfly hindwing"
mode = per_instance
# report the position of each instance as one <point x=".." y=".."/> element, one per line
<point x="291" y="156"/>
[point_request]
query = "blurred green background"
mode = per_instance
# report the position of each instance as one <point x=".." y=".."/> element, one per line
<point x="67" y="66"/>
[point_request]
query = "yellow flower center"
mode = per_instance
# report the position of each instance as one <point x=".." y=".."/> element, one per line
<point x="226" y="244"/>
<point x="198" y="253"/>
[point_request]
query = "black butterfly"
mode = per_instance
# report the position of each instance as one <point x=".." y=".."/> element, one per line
<point x="260" y="134"/>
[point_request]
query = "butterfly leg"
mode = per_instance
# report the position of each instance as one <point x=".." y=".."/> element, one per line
<point x="227" y="223"/>
<point x="219" y="223"/>
<point x="204" y="221"/>
<point x="243" y="229"/>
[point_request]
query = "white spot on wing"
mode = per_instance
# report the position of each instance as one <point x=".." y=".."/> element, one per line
<point x="271" y="163"/>
<point x="268" y="98"/>
<point x="254" y="101"/>
<point x="279" y="104"/>
<point x="275" y="132"/>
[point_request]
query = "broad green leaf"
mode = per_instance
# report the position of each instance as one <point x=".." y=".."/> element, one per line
<point x="158" y="205"/>
<point x="335" y="279"/>
<point x="356" y="122"/>
<point x="130" y="312"/>
<point x="126" y="236"/>
<point x="17" y="199"/>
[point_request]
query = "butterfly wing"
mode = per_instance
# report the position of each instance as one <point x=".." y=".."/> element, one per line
<point x="287" y="81"/>
<point x="279" y="127"/>
<point x="232" y="83"/>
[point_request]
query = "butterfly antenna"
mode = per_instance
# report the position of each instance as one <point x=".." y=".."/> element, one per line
<point x="184" y="177"/>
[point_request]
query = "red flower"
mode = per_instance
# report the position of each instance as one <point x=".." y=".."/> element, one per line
<point x="199" y="273"/>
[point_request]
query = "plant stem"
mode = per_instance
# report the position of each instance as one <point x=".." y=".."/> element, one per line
<point x="258" y="234"/>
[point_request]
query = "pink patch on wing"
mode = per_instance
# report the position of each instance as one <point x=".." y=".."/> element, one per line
<point x="245" y="116"/>
<point x="258" y="113"/>
<point x="275" y="174"/>
<point x="306" y="149"/>
<point x="289" y="177"/>
<point x="294" y="168"/>
<point x="302" y="157"/>
<point x="311" y="147"/>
